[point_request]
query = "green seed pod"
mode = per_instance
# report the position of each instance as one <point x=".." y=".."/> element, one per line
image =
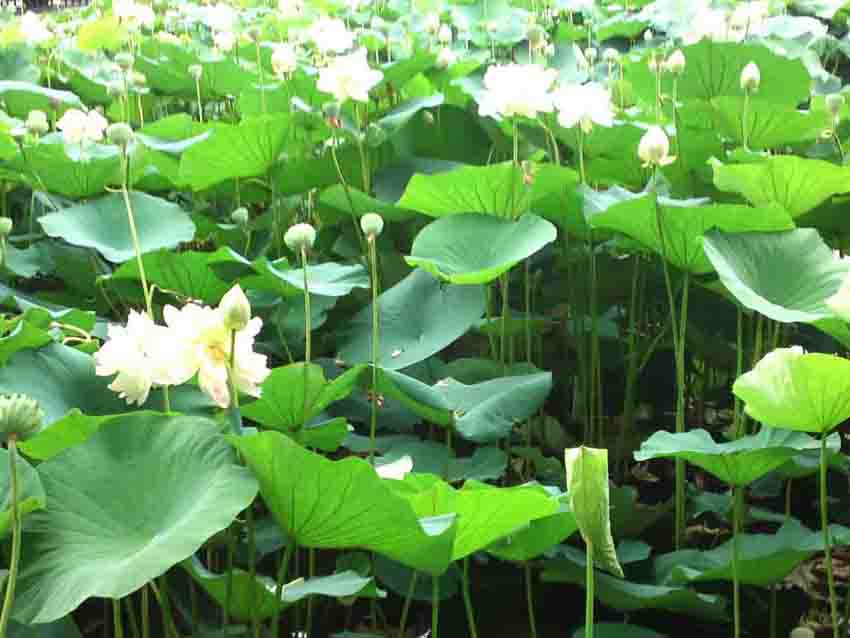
<point x="20" y="416"/>
<point x="300" y="236"/>
<point x="372" y="224"/>
<point x="375" y="135"/>
<point x="240" y="217"/>
<point x="119" y="134"/>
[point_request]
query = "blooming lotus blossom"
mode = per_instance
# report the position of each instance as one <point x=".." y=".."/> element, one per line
<point x="33" y="29"/>
<point x="349" y="77"/>
<point x="585" y="105"/>
<point x="79" y="128"/>
<point x="133" y="14"/>
<point x="517" y="89"/>
<point x="220" y="17"/>
<point x="209" y="348"/>
<point x="330" y="35"/>
<point x="224" y="40"/>
<point x="142" y="354"/>
<point x="284" y="60"/>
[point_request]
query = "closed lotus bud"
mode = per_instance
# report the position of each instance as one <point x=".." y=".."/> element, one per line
<point x="20" y="416"/>
<point x="377" y="23"/>
<point x="432" y="23"/>
<point x="240" y="216"/>
<point x="676" y="62"/>
<point x="492" y="26"/>
<point x="253" y="34"/>
<point x="444" y="35"/>
<point x="300" y="236"/>
<point x="372" y="224"/>
<point x="611" y="55"/>
<point x="750" y="78"/>
<point x="654" y="147"/>
<point x="5" y="226"/>
<point x="37" y="123"/>
<point x="235" y="308"/>
<point x="124" y="60"/>
<point x="445" y="58"/>
<point x="834" y="102"/>
<point x="195" y="70"/>
<point x="119" y="134"/>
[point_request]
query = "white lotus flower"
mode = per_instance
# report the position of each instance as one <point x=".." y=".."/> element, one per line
<point x="224" y="40"/>
<point x="284" y="59"/>
<point x="349" y="76"/>
<point x="204" y="334"/>
<point x="142" y="354"/>
<point x="654" y="148"/>
<point x="446" y="57"/>
<point x="709" y="23"/>
<point x="79" y="128"/>
<point x="750" y="77"/>
<point x="585" y="105"/>
<point x="133" y="14"/>
<point x="33" y="29"/>
<point x="330" y="35"/>
<point x="220" y="17"/>
<point x="517" y="89"/>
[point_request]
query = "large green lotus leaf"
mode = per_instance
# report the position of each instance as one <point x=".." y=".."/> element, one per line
<point x="235" y="151"/>
<point x="713" y="69"/>
<point x="334" y="206"/>
<point x="683" y="223"/>
<point x="424" y="400"/>
<point x="190" y="273"/>
<point x="808" y="463"/>
<point x="59" y="378"/>
<point x="498" y="189"/>
<point x="540" y="535"/>
<point x="259" y="596"/>
<point x="67" y="170"/>
<point x="63" y="628"/>
<point x="342" y="504"/>
<point x="769" y="125"/>
<point x="102" y="224"/>
<point x="476" y="248"/>
<point x="485" y="412"/>
<point x="282" y="405"/>
<point x="485" y="513"/>
<point x="429" y="457"/>
<point x="798" y="184"/>
<point x="24" y="332"/>
<point x="763" y="559"/>
<point x="629" y="517"/>
<point x="587" y="488"/>
<point x="627" y="596"/>
<point x="22" y="97"/>
<point x="754" y="267"/>
<point x="414" y="321"/>
<point x="796" y="391"/>
<point x="328" y="279"/>
<point x="31" y="495"/>
<point x="184" y="485"/>
<point x="738" y="462"/>
<point x="617" y="630"/>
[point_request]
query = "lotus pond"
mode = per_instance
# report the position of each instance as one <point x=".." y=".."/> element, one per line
<point x="407" y="318"/>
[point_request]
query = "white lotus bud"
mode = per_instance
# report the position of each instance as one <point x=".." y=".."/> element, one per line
<point x="611" y="55"/>
<point x="750" y="78"/>
<point x="240" y="217"/>
<point x="37" y="123"/>
<point x="372" y="224"/>
<point x="195" y="70"/>
<point x="236" y="309"/>
<point x="300" y="236"/>
<point x="444" y="35"/>
<point x="445" y="58"/>
<point x="834" y="102"/>
<point x="676" y="62"/>
<point x="591" y="54"/>
<point x="654" y="148"/>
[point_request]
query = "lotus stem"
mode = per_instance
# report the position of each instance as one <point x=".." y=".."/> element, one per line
<point x="588" y="597"/>
<point x="145" y="611"/>
<point x="311" y="572"/>
<point x="736" y="582"/>
<point x="262" y="78"/>
<point x="827" y="540"/>
<point x="467" y="601"/>
<point x="373" y="422"/>
<point x="12" y="578"/>
<point x="252" y="569"/>
<point x="402" y="624"/>
<point x="117" y="623"/>
<point x="435" y="605"/>
<point x="131" y="614"/>
<point x="278" y="594"/>
<point x="529" y="599"/>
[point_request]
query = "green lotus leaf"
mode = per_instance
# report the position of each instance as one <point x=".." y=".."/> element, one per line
<point x="618" y="630"/>
<point x="22" y="97"/>
<point x="102" y="224"/>
<point x="738" y="462"/>
<point x="414" y="321"/>
<point x="342" y="504"/>
<point x="769" y="125"/>
<point x="796" y="391"/>
<point x="184" y="485"/>
<point x="327" y="280"/>
<point x="475" y="248"/>
<point x="587" y="488"/>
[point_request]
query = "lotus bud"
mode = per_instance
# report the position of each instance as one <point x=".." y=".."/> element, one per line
<point x="119" y="134"/>
<point x="445" y="58"/>
<point x="253" y="34"/>
<point x="654" y="148"/>
<point x="195" y="70"/>
<point x="492" y="26"/>
<point x="235" y="308"/>
<point x="750" y="78"/>
<point x="444" y="35"/>
<point x="240" y="217"/>
<point x="676" y="62"/>
<point x="549" y="50"/>
<point x="20" y="416"/>
<point x="124" y="60"/>
<point x="6" y="225"/>
<point x="37" y="123"/>
<point x="372" y="224"/>
<point x="114" y="88"/>
<point x="377" y="23"/>
<point x="611" y="55"/>
<point x="300" y="237"/>
<point x="834" y="102"/>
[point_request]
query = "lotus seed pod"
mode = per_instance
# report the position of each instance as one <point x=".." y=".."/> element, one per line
<point x="195" y="71"/>
<point x="300" y="236"/>
<point x="114" y="88"/>
<point x="20" y="416"/>
<point x="37" y="123"/>
<point x="6" y="225"/>
<point x="240" y="216"/>
<point x="834" y="102"/>
<point x="372" y="224"/>
<point x="611" y="55"/>
<point x="676" y="62"/>
<point x="119" y="134"/>
<point x="802" y="632"/>
<point x="236" y="309"/>
<point x="375" y="135"/>
<point x="750" y="78"/>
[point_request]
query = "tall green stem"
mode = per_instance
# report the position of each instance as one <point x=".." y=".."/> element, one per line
<point x="308" y="328"/>
<point x="278" y="592"/>
<point x="589" y="593"/>
<point x="435" y="606"/>
<point x="252" y="569"/>
<point x="145" y="605"/>
<point x="827" y="540"/>
<point x="736" y="579"/>
<point x="402" y="624"/>
<point x="529" y="599"/>
<point x="373" y="265"/>
<point x="467" y="601"/>
<point x="12" y="578"/>
<point x="117" y="622"/>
